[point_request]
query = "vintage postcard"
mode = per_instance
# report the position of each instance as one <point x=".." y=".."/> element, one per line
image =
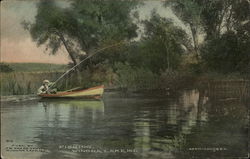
<point x="125" y="79"/>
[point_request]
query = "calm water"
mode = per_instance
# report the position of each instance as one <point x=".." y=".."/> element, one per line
<point x="186" y="124"/>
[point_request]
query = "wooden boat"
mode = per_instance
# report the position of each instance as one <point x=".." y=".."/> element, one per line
<point x="90" y="93"/>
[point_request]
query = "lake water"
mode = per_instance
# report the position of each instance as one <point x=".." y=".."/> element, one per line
<point x="185" y="124"/>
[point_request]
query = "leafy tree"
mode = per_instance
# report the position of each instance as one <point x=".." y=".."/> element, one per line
<point x="190" y="13"/>
<point x="228" y="38"/>
<point x="161" y="45"/>
<point x="211" y="17"/>
<point x="51" y="27"/>
<point x="82" y="27"/>
<point x="228" y="53"/>
<point x="221" y="16"/>
<point x="225" y="24"/>
<point x="105" y="23"/>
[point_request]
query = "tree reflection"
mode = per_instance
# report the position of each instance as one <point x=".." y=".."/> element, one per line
<point x="161" y="126"/>
<point x="66" y="123"/>
<point x="223" y="135"/>
<point x="157" y="127"/>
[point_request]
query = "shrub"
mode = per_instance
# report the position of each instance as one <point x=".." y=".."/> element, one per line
<point x="5" y="68"/>
<point x="135" y="78"/>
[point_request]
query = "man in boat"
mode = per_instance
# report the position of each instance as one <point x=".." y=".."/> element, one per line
<point x="45" y="88"/>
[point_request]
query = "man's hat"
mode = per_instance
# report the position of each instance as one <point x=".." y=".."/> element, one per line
<point x="45" y="81"/>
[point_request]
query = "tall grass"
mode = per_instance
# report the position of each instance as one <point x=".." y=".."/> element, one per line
<point x="127" y="77"/>
<point x="22" y="83"/>
<point x="123" y="76"/>
<point x="229" y="89"/>
<point x="19" y="83"/>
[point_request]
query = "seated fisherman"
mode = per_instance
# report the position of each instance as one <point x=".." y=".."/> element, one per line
<point x="45" y="88"/>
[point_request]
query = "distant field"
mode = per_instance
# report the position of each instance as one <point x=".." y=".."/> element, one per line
<point x="37" y="67"/>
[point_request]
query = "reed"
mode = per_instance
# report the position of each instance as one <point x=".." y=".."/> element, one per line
<point x="125" y="76"/>
<point x="20" y="83"/>
<point x="229" y="89"/>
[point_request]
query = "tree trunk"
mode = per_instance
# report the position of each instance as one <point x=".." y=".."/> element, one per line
<point x="228" y="24"/>
<point x="195" y="40"/>
<point x="70" y="52"/>
<point x="167" y="51"/>
<point x="67" y="48"/>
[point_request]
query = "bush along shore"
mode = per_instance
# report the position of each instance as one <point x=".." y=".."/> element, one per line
<point x="124" y="77"/>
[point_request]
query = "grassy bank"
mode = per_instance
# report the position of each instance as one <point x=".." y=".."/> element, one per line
<point x="20" y="83"/>
<point x="123" y="76"/>
<point x="36" y="67"/>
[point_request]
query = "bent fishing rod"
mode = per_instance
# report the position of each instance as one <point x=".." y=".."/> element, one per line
<point x="91" y="55"/>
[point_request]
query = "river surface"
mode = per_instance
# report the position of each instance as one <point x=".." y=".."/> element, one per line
<point x="186" y="124"/>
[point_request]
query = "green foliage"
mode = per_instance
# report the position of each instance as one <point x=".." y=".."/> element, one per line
<point x="20" y="83"/>
<point x="102" y="20"/>
<point x="225" y="26"/>
<point x="140" y="78"/>
<point x="135" y="78"/>
<point x="210" y="16"/>
<point x="221" y="15"/>
<point x="227" y="51"/>
<point x="89" y="25"/>
<point x="85" y="25"/>
<point x="226" y="54"/>
<point x="5" y="67"/>
<point x="36" y="67"/>
<point x="105" y="23"/>
<point x="107" y="57"/>
<point x="189" y="11"/>
<point x="49" y="19"/>
<point x="161" y="45"/>
<point x="172" y="79"/>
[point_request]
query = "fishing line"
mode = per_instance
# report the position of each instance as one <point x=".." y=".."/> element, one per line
<point x="91" y="55"/>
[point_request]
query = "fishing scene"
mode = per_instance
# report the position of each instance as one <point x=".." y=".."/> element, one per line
<point x="125" y="79"/>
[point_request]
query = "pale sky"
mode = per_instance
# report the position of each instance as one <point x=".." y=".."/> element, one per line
<point x="17" y="45"/>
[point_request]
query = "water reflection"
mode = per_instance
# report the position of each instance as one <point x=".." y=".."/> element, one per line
<point x="135" y="126"/>
<point x="65" y="123"/>
<point x="170" y="120"/>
